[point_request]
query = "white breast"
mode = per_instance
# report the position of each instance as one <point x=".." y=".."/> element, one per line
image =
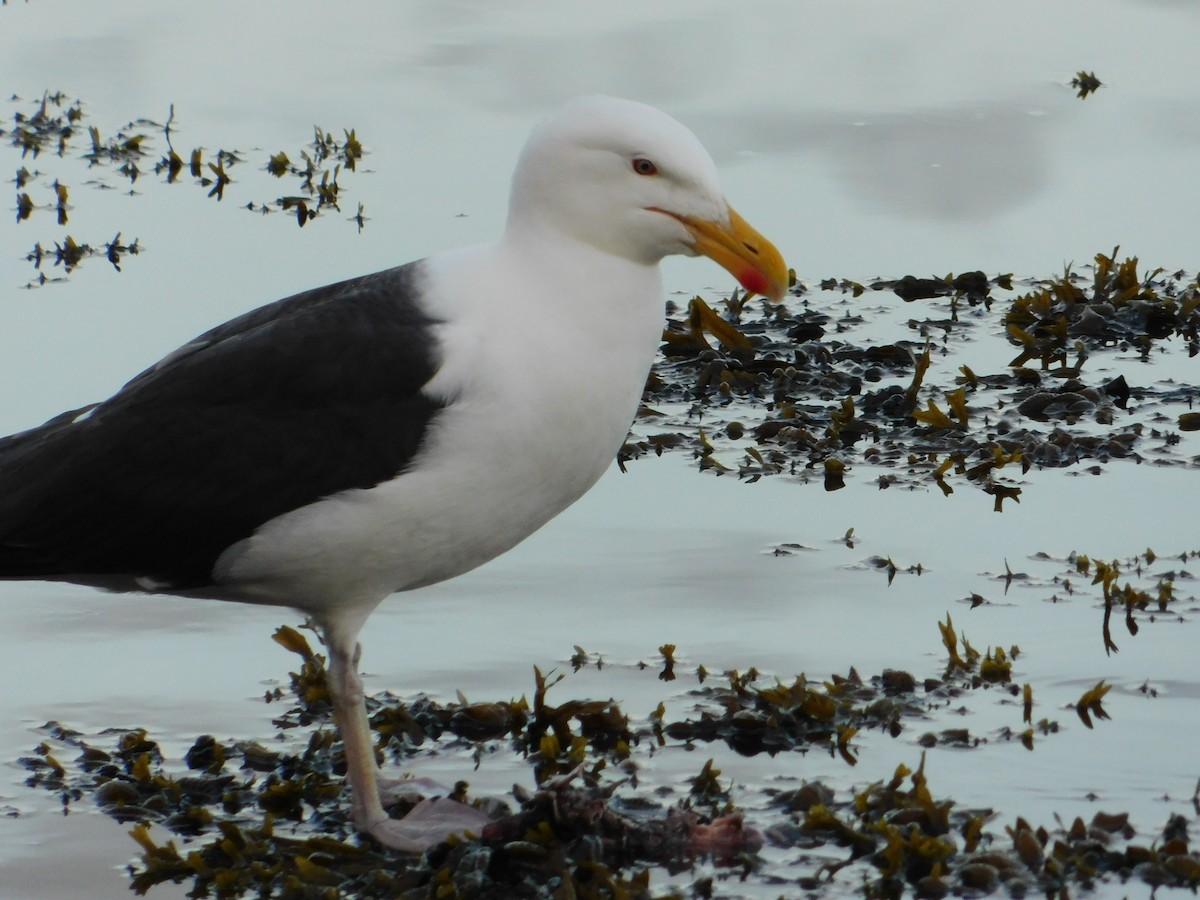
<point x="540" y="388"/>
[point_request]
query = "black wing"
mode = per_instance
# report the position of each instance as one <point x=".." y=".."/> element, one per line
<point x="294" y="401"/>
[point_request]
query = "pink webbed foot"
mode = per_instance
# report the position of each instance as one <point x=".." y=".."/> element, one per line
<point x="408" y="790"/>
<point x="427" y="824"/>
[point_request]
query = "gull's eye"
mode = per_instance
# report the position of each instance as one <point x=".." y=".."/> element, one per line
<point x="643" y="166"/>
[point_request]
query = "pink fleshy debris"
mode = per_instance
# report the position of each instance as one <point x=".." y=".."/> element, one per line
<point x="725" y="837"/>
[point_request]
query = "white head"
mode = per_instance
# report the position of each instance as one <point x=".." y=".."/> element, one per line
<point x="631" y="181"/>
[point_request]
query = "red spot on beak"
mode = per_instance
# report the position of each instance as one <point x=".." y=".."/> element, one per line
<point x="754" y="281"/>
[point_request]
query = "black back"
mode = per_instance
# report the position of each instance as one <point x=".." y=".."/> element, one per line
<point x="289" y="403"/>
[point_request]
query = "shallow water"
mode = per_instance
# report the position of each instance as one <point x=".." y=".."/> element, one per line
<point x="941" y="139"/>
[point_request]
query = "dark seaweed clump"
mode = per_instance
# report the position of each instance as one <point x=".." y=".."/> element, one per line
<point x="760" y="389"/>
<point x="259" y="820"/>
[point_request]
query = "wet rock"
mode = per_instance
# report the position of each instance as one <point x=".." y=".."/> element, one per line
<point x="895" y="681"/>
<point x="805" y="797"/>
<point x="1046" y="405"/>
<point x="979" y="877"/>
<point x="932" y="887"/>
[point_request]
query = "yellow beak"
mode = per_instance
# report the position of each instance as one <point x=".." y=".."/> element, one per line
<point x="743" y="252"/>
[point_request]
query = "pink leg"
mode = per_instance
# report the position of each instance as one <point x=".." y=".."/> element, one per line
<point x="431" y="821"/>
<point x="350" y="711"/>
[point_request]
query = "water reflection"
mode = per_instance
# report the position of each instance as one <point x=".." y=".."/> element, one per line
<point x="950" y="165"/>
<point x="494" y="60"/>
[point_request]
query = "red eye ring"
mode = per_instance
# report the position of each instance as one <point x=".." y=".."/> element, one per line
<point x="643" y="166"/>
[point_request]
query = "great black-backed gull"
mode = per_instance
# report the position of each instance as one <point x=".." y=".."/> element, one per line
<point x="394" y="430"/>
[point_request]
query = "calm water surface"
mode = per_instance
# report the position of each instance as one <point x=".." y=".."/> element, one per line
<point x="865" y="140"/>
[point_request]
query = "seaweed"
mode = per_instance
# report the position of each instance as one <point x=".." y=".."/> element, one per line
<point x="53" y="134"/>
<point x="268" y="818"/>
